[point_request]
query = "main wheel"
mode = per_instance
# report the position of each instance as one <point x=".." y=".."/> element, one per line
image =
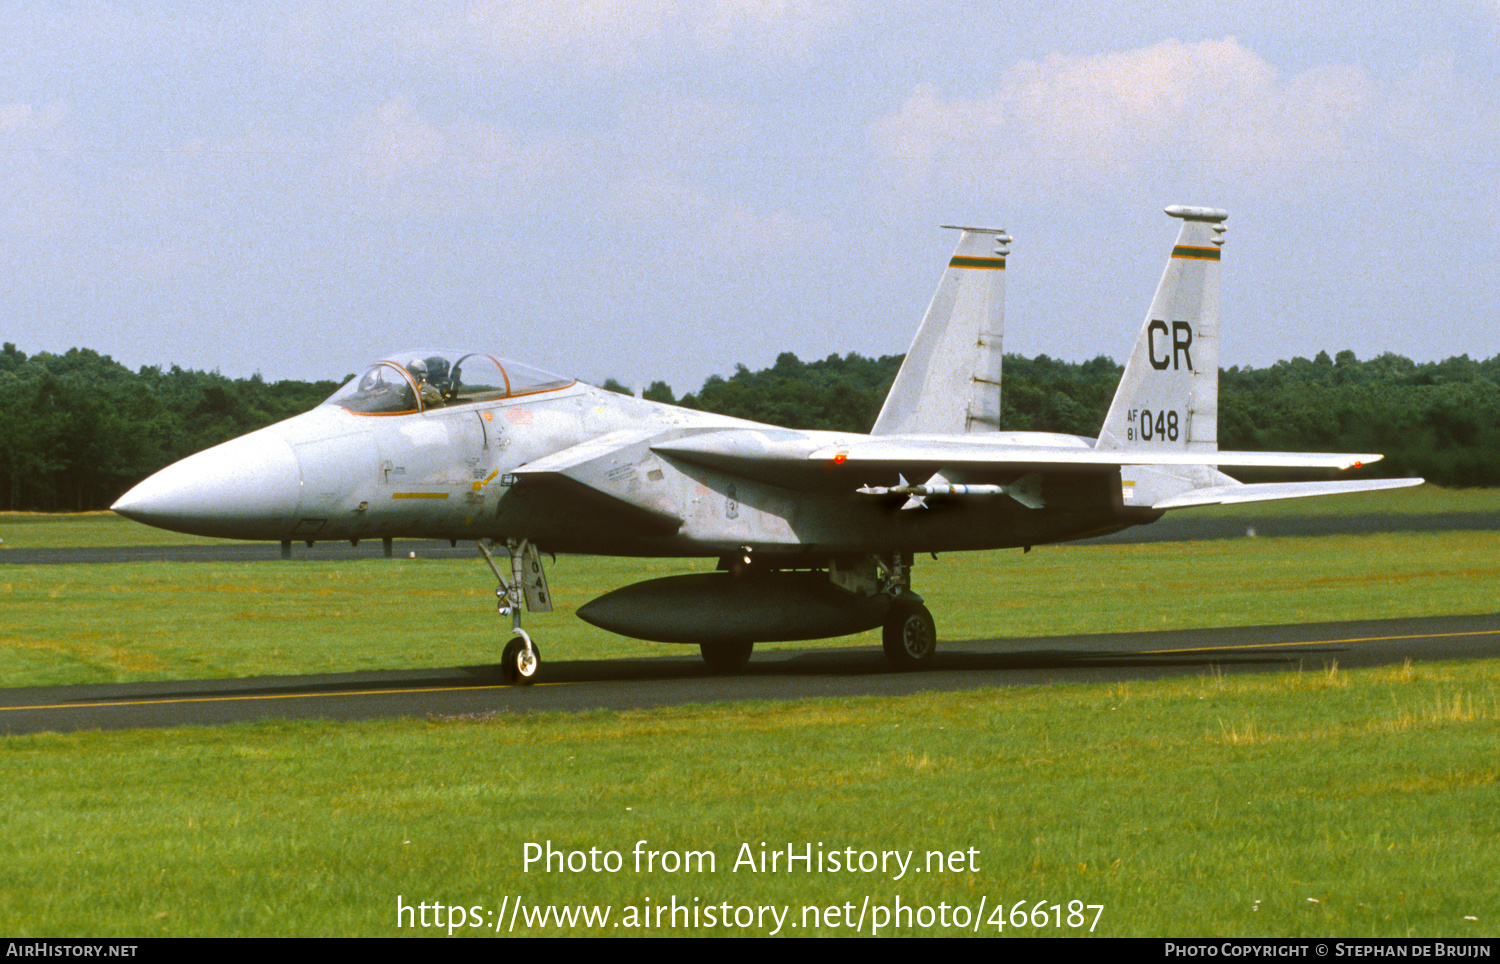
<point x="910" y="636"/>
<point x="518" y="666"/>
<point x="726" y="657"/>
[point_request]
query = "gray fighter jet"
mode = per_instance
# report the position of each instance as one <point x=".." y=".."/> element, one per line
<point x="815" y="531"/>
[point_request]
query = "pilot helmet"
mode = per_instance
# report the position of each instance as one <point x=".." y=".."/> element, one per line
<point x="418" y="369"/>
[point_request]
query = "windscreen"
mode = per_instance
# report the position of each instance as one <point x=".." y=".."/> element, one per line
<point x="422" y="380"/>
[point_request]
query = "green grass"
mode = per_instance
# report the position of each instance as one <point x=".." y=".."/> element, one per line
<point x="136" y="621"/>
<point x="1198" y="807"/>
<point x="64" y="530"/>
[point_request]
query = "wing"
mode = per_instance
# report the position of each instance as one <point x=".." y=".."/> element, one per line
<point x="815" y="460"/>
<point x="598" y="483"/>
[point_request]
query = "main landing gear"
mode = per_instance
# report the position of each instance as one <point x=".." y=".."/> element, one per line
<point x="727" y="658"/>
<point x="909" y="636"/>
<point x="521" y="659"/>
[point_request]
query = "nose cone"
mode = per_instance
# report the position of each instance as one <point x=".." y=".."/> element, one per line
<point x="249" y="488"/>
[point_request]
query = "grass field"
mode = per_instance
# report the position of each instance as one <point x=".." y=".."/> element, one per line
<point x="1302" y="804"/>
<point x="83" y="624"/>
<point x="43" y="530"/>
<point x="1317" y="803"/>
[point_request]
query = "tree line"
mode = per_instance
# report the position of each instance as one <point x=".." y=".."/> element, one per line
<point x="78" y="429"/>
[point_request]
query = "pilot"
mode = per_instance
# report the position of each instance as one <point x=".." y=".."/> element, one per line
<point x="432" y="397"/>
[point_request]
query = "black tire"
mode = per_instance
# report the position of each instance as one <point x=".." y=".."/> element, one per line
<point x="910" y="636"/>
<point x="726" y="657"/>
<point x="515" y="668"/>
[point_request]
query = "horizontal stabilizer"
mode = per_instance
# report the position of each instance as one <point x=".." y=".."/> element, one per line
<point x="975" y="451"/>
<point x="1266" y="491"/>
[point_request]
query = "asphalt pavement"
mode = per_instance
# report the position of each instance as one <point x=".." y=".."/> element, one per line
<point x="621" y="684"/>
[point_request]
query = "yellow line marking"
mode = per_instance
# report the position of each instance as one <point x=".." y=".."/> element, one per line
<point x="263" y="696"/>
<point x="453" y="689"/>
<point x="419" y="495"/>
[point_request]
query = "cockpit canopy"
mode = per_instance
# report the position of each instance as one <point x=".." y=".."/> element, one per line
<point x="413" y="381"/>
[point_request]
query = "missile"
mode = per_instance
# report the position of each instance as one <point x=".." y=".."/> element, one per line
<point x="925" y="490"/>
<point x="1025" y="490"/>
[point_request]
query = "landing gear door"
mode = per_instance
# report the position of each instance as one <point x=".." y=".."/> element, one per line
<point x="534" y="580"/>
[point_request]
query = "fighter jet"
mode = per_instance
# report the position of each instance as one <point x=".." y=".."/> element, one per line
<point x="816" y="532"/>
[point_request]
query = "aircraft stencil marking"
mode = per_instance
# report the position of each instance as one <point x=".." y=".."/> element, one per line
<point x="1182" y="338"/>
<point x="816" y="532"/>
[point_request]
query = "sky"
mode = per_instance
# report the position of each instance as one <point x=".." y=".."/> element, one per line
<point x="650" y="189"/>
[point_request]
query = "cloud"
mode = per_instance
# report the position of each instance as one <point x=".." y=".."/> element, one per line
<point x="1491" y="7"/>
<point x="583" y="39"/>
<point x="788" y="26"/>
<point x="18" y="119"/>
<point x="393" y="142"/>
<point x="14" y="117"/>
<point x="1074" y="121"/>
<point x="604" y="32"/>
<point x="401" y="158"/>
<point x="408" y="162"/>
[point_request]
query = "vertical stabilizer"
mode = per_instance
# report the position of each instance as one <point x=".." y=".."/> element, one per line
<point x="949" y="383"/>
<point x="1168" y="399"/>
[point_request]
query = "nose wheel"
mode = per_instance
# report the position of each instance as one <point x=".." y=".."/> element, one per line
<point x="520" y="661"/>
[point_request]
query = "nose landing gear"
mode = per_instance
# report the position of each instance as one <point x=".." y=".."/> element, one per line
<point x="521" y="660"/>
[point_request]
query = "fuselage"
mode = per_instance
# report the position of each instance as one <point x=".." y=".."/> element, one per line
<point x="484" y="469"/>
<point x="333" y="473"/>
